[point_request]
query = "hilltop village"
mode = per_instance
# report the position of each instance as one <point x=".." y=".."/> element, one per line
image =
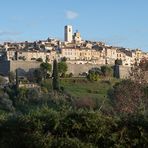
<point x="28" y="55"/>
<point x="72" y="94"/>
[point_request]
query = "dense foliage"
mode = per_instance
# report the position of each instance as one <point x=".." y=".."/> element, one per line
<point x="46" y="68"/>
<point x="129" y="97"/>
<point x="84" y="114"/>
<point x="107" y="71"/>
<point x="62" y="67"/>
<point x="45" y="127"/>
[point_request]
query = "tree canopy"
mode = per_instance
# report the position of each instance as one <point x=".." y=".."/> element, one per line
<point x="46" y="68"/>
<point x="107" y="71"/>
<point x="62" y="67"/>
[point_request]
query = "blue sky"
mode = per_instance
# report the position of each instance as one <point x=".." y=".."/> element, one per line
<point x="116" y="22"/>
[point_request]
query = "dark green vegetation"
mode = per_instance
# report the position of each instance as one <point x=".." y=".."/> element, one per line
<point x="81" y="113"/>
<point x="55" y="76"/>
<point x="62" y="67"/>
<point x="95" y="74"/>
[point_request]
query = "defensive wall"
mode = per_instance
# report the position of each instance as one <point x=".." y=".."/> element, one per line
<point x="75" y="69"/>
<point x="22" y="66"/>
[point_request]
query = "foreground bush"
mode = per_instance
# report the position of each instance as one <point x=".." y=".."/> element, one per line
<point x="44" y="128"/>
<point x="128" y="97"/>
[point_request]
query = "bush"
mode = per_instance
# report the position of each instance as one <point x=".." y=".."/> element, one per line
<point x="128" y="97"/>
<point x="70" y="143"/>
<point x="63" y="75"/>
<point x="90" y="91"/>
<point x="70" y="75"/>
<point x="93" y="76"/>
<point x="85" y="103"/>
<point x="39" y="60"/>
<point x="107" y="71"/>
<point x="62" y="67"/>
<point x="44" y="127"/>
<point x="46" y="84"/>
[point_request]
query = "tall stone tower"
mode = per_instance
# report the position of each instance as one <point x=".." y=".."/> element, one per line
<point x="68" y="33"/>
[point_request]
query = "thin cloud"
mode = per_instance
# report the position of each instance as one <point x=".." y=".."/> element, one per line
<point x="71" y="14"/>
<point x="3" y="33"/>
<point x="16" y="19"/>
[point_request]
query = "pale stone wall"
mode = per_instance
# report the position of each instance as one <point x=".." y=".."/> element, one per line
<point x="122" y="72"/>
<point x="25" y="66"/>
<point x="76" y="69"/>
<point x="22" y="66"/>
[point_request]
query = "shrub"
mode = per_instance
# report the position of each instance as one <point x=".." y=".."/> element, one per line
<point x="107" y="71"/>
<point x="89" y="91"/>
<point x="127" y="97"/>
<point x="62" y="67"/>
<point x="39" y="60"/>
<point x="93" y="76"/>
<point x="71" y="75"/>
<point x="85" y="103"/>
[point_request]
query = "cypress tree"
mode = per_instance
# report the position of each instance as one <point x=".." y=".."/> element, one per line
<point x="16" y="86"/>
<point x="17" y="80"/>
<point x="55" y="76"/>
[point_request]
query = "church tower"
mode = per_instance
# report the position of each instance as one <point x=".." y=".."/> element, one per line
<point x="68" y="33"/>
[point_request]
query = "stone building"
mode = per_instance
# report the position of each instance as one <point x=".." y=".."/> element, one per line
<point x="22" y="55"/>
<point x="68" y="33"/>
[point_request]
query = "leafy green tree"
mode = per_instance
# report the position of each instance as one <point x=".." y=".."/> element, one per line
<point x="5" y="102"/>
<point x="21" y="96"/>
<point x="46" y="84"/>
<point x="46" y="67"/>
<point x="93" y="76"/>
<point x="33" y="94"/>
<point x="64" y="59"/>
<point x="107" y="71"/>
<point x="55" y="76"/>
<point x="38" y="75"/>
<point x="2" y="80"/>
<point x="62" y="67"/>
<point x="44" y="127"/>
<point x="95" y="70"/>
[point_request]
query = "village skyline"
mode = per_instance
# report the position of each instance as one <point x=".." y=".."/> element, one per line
<point x="117" y="23"/>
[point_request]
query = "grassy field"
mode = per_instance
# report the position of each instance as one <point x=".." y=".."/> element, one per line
<point x="81" y="87"/>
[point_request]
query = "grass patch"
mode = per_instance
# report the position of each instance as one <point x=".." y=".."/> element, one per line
<point x="83" y="88"/>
